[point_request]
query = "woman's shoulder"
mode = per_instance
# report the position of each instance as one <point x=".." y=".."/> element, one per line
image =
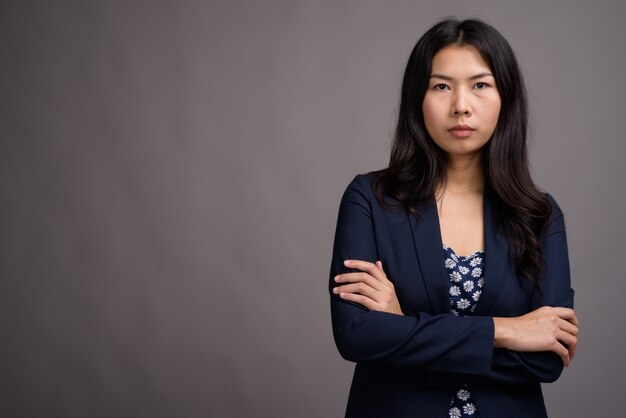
<point x="557" y="221"/>
<point x="360" y="190"/>
<point x="556" y="209"/>
<point x="364" y="182"/>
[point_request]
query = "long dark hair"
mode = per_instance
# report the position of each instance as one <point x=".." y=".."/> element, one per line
<point x="417" y="166"/>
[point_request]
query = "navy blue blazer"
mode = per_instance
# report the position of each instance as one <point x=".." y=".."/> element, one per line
<point x="411" y="366"/>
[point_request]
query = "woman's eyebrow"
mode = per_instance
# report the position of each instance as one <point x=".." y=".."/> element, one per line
<point x="446" y="77"/>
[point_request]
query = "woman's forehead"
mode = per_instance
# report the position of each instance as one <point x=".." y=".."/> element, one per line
<point x="459" y="61"/>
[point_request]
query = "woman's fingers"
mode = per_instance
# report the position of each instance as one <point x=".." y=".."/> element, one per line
<point x="369" y="287"/>
<point x="371" y="274"/>
<point x="565" y="313"/>
<point x="572" y="350"/>
<point x="569" y="337"/>
<point x="568" y="327"/>
<point x="359" y="277"/>
<point x="566" y="355"/>
<point x="566" y="338"/>
<point x="370" y="268"/>
<point x="360" y="288"/>
<point x="567" y="333"/>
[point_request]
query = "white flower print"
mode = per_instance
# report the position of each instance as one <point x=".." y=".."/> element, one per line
<point x="463" y="304"/>
<point x="455" y="291"/>
<point x="469" y="408"/>
<point x="455" y="412"/>
<point x="476" y="261"/>
<point x="465" y="288"/>
<point x="463" y="394"/>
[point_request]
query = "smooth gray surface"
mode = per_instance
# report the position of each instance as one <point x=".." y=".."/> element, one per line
<point x="170" y="174"/>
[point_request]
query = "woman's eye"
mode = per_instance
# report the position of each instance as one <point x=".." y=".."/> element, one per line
<point x="480" y="85"/>
<point x="441" y="87"/>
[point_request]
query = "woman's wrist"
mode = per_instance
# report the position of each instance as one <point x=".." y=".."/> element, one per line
<point x="501" y="332"/>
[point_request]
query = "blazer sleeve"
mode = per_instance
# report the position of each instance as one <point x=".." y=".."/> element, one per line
<point x="441" y="343"/>
<point x="444" y="343"/>
<point x="522" y="367"/>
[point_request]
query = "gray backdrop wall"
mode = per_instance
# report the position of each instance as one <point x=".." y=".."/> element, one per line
<point x="170" y="174"/>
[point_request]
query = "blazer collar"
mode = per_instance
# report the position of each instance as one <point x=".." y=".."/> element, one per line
<point x="429" y="249"/>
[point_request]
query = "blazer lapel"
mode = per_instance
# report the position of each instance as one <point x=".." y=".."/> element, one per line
<point x="496" y="259"/>
<point x="429" y="249"/>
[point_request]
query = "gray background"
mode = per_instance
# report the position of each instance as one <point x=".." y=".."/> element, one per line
<point x="170" y="174"/>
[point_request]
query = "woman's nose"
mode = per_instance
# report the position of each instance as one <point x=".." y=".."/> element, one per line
<point x="460" y="105"/>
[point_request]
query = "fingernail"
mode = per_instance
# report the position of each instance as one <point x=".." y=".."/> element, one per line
<point x="346" y="262"/>
<point x="336" y="278"/>
<point x="336" y="290"/>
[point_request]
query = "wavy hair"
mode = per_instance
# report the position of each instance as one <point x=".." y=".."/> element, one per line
<point x="417" y="166"/>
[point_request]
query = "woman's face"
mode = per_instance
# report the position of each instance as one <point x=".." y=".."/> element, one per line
<point x="462" y="103"/>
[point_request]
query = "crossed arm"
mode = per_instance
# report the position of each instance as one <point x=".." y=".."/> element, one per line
<point x="544" y="329"/>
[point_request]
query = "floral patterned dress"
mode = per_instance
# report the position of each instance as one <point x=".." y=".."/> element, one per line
<point x="466" y="283"/>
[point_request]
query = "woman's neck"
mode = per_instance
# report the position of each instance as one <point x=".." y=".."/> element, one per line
<point x="464" y="174"/>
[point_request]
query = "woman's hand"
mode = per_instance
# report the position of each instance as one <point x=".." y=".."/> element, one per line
<point x="369" y="287"/>
<point x="544" y="329"/>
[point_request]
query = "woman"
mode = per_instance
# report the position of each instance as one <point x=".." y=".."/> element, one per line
<point x="450" y="282"/>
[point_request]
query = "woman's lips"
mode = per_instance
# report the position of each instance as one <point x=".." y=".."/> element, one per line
<point x="461" y="131"/>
